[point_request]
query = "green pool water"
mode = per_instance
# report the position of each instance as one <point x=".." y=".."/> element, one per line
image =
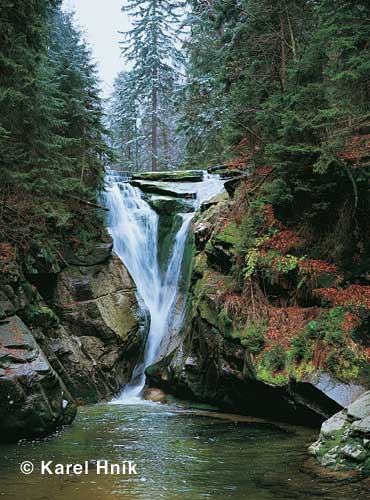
<point x="179" y="454"/>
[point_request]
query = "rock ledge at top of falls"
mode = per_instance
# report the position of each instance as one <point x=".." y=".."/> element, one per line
<point x="162" y="189"/>
<point x="174" y="176"/>
<point x="344" y="440"/>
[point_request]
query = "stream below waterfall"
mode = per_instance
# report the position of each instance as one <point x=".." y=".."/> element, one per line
<point x="180" y="455"/>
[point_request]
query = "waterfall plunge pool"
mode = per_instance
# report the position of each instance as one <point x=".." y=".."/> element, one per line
<point x="180" y="455"/>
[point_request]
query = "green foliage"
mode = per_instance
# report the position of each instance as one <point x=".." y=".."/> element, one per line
<point x="344" y="364"/>
<point x="275" y="359"/>
<point x="301" y="349"/>
<point x="281" y="75"/>
<point x="40" y="316"/>
<point x="329" y="327"/>
<point x="225" y="322"/>
<point x="271" y="262"/>
<point x="253" y="337"/>
<point x="51" y="132"/>
<point x="327" y="334"/>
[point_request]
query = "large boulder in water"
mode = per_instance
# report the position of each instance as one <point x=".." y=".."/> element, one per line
<point x="33" y="399"/>
<point x="155" y="395"/>
<point x="344" y="439"/>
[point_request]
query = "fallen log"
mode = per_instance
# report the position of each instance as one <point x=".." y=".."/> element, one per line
<point x="88" y="203"/>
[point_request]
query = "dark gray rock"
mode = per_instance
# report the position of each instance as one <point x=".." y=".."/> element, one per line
<point x="33" y="399"/>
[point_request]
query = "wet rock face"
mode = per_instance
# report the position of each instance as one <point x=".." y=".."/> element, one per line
<point x="344" y="440"/>
<point x="102" y="329"/>
<point x="33" y="400"/>
<point x="69" y="332"/>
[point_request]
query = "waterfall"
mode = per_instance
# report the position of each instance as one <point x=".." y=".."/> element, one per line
<point x="134" y="226"/>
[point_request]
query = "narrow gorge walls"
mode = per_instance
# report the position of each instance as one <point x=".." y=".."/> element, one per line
<point x="71" y="332"/>
<point x="240" y="341"/>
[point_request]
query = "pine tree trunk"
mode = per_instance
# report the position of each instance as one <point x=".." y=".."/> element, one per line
<point x="283" y="55"/>
<point x="154" y="128"/>
<point x="155" y="95"/>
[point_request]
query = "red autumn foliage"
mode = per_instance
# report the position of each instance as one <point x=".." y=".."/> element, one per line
<point x="245" y="151"/>
<point x="271" y="220"/>
<point x="234" y="304"/>
<point x="244" y="143"/>
<point x="356" y="148"/>
<point x="312" y="266"/>
<point x="351" y="322"/>
<point x="7" y="257"/>
<point x="285" y="322"/>
<point x="264" y="171"/>
<point x="320" y="354"/>
<point x="354" y="295"/>
<point x="283" y="241"/>
<point x="7" y="253"/>
<point x="241" y="161"/>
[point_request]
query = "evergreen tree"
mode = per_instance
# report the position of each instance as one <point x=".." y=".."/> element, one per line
<point x="81" y="106"/>
<point x="284" y="74"/>
<point x="51" y="132"/>
<point x="24" y="28"/>
<point x="124" y="115"/>
<point x="152" y="47"/>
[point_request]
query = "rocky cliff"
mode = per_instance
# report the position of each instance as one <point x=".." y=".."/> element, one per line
<point x="257" y="340"/>
<point x="71" y="330"/>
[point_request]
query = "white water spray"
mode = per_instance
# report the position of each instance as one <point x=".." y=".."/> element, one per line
<point x="134" y="225"/>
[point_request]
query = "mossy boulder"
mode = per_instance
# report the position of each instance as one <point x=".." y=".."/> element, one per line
<point x="175" y="176"/>
<point x="222" y="247"/>
<point x="165" y="205"/>
<point x="345" y="437"/>
<point x="163" y="189"/>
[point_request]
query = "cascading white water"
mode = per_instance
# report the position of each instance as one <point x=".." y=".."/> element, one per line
<point x="134" y="225"/>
